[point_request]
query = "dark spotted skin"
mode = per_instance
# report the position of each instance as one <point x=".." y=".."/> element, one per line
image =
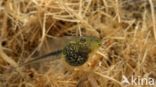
<point x="76" y="54"/>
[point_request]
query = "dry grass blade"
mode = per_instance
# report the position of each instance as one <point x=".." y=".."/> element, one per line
<point x="7" y="59"/>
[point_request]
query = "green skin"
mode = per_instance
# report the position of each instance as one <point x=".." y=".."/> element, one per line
<point x="75" y="52"/>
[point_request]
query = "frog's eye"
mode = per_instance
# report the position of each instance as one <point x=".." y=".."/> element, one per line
<point x="82" y="40"/>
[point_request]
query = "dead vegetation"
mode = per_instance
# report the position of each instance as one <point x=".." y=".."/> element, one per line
<point x="127" y="29"/>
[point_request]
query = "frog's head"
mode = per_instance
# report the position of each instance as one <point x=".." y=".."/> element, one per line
<point x="92" y="42"/>
<point x="76" y="52"/>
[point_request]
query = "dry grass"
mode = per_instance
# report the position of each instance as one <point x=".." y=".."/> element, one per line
<point x="127" y="29"/>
